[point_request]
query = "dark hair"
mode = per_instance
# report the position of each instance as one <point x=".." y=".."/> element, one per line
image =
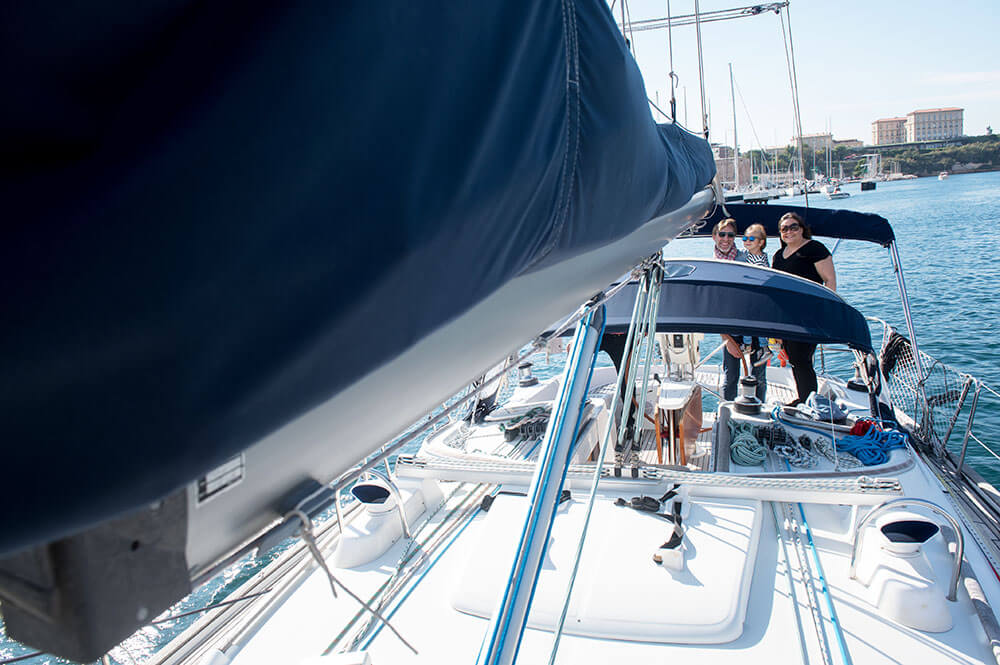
<point x="806" y="231"/>
<point x="728" y="221"/>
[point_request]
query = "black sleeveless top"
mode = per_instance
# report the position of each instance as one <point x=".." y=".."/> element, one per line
<point x="803" y="261"/>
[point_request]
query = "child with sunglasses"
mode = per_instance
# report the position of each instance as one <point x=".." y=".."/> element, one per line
<point x="754" y="242"/>
<point x="724" y="235"/>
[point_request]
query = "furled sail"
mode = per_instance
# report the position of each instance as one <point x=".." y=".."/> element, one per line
<point x="221" y="217"/>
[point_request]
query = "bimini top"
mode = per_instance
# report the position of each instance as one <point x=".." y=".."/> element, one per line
<point x="705" y="295"/>
<point x="846" y="224"/>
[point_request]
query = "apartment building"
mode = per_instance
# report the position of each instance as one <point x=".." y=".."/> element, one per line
<point x="889" y="130"/>
<point x="815" y="141"/>
<point x="724" y="165"/>
<point x="934" y="124"/>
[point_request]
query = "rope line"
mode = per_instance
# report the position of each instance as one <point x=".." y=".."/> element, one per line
<point x="985" y="447"/>
<point x="310" y="540"/>
<point x="744" y="448"/>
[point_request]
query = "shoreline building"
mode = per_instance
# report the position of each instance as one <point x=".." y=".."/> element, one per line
<point x="934" y="124"/>
<point x="821" y="141"/>
<point x="886" y="131"/>
<point x="724" y="166"/>
<point x="920" y="125"/>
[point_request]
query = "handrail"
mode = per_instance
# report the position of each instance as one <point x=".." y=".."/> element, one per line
<point x="929" y="505"/>
<point x="923" y="406"/>
<point x="958" y="408"/>
<point x="968" y="429"/>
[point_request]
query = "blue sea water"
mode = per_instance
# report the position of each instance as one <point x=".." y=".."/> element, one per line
<point x="949" y="245"/>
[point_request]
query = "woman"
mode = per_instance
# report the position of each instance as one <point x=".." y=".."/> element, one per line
<point x="724" y="235"/>
<point x="805" y="257"/>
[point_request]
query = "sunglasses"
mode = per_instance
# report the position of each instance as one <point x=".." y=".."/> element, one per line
<point x="749" y="238"/>
<point x="726" y="234"/>
<point x="790" y="227"/>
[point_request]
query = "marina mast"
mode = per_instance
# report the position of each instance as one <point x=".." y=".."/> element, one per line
<point x="736" y="143"/>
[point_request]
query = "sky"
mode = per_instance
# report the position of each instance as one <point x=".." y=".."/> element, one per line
<point x="856" y="61"/>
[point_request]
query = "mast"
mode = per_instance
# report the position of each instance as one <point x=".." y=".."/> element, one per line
<point x="736" y="143"/>
<point x="829" y="147"/>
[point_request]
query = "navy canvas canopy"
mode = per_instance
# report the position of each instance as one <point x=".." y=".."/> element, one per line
<point x="846" y="224"/>
<point x="220" y="214"/>
<point x="705" y="295"/>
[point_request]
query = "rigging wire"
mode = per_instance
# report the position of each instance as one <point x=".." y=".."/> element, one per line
<point x="306" y="531"/>
<point x="632" y="340"/>
<point x="794" y="84"/>
<point x="673" y="75"/>
<point x="631" y="34"/>
<point x="752" y="128"/>
<point x="701" y="69"/>
<point x="703" y="17"/>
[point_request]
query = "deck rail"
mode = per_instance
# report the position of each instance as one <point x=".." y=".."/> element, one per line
<point x="942" y="402"/>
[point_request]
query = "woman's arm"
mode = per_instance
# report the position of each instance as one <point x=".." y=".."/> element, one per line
<point x="827" y="272"/>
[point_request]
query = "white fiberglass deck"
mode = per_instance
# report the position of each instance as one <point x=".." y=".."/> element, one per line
<point x="763" y="581"/>
<point x="779" y="624"/>
<point x="708" y="596"/>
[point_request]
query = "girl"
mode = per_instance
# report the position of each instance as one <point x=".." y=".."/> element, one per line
<point x="754" y="242"/>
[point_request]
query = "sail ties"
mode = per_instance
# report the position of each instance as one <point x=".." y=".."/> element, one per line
<point x="306" y="531"/>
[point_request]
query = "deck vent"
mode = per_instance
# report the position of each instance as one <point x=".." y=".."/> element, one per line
<point x="909" y="532"/>
<point x="904" y="537"/>
<point x="368" y="493"/>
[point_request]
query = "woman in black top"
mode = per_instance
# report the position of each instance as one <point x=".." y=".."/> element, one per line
<point x="805" y="257"/>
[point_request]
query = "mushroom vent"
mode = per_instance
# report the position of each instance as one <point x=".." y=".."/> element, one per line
<point x="369" y="493"/>
<point x="909" y="531"/>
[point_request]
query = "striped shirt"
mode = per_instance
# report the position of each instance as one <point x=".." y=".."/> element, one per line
<point x="758" y="260"/>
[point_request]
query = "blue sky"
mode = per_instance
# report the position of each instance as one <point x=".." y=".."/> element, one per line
<point x="856" y="62"/>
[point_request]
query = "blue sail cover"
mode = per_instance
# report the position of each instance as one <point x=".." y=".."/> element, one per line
<point x="703" y="295"/>
<point x="218" y="215"/>
<point x="846" y="224"/>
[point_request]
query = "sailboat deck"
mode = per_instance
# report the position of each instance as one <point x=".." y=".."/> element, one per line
<point x="758" y="575"/>
<point x="786" y="610"/>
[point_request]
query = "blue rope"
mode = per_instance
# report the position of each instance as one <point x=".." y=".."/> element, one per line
<point x="873" y="446"/>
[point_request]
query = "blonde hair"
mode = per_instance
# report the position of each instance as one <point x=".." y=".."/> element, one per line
<point x="758" y="231"/>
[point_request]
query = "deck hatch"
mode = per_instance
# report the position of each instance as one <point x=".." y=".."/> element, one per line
<point x="620" y="592"/>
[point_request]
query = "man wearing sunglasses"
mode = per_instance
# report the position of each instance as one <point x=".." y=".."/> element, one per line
<point x="724" y="235"/>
